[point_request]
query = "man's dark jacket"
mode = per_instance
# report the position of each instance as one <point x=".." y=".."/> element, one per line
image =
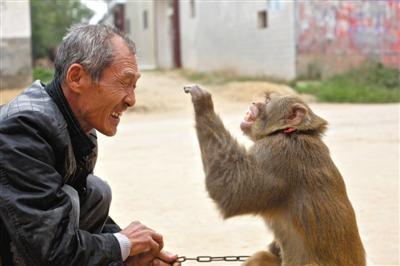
<point x="41" y="149"/>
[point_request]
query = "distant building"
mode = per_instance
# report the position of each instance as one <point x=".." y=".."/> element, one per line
<point x="15" y="44"/>
<point x="151" y="25"/>
<point x="276" y="38"/>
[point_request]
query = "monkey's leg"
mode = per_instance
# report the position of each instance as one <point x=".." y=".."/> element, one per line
<point x="262" y="258"/>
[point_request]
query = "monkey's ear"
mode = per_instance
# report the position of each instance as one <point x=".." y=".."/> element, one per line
<point x="297" y="114"/>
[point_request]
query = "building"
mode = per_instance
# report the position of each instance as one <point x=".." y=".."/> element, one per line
<point x="153" y="25"/>
<point x="275" y="38"/>
<point x="15" y="44"/>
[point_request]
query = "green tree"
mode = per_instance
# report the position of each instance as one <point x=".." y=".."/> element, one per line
<point x="51" y="20"/>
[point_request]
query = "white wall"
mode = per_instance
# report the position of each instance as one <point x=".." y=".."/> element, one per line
<point x="163" y="34"/>
<point x="108" y="20"/>
<point x="224" y="35"/>
<point x="15" y="44"/>
<point x="15" y="19"/>
<point x="144" y="38"/>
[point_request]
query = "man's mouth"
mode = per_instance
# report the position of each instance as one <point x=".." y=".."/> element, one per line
<point x="116" y="115"/>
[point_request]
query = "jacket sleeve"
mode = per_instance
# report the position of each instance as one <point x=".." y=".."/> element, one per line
<point x="36" y="212"/>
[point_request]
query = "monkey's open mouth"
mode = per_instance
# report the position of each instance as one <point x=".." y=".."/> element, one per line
<point x="250" y="117"/>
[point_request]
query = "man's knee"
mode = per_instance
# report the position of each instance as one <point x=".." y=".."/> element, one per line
<point x="95" y="204"/>
<point x="98" y="190"/>
<point x="74" y="198"/>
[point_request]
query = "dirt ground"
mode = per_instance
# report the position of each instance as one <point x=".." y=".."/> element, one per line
<point x="154" y="168"/>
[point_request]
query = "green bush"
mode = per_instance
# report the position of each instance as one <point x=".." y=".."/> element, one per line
<point x="43" y="74"/>
<point x="371" y="83"/>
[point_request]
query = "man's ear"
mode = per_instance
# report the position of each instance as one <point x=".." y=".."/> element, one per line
<point x="297" y="114"/>
<point x="77" y="78"/>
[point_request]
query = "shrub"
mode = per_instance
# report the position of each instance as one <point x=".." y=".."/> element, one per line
<point x="43" y="74"/>
<point x="371" y="83"/>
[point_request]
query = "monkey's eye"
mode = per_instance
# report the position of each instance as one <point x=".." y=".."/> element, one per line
<point x="267" y="99"/>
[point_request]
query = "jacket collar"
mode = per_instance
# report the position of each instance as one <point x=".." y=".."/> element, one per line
<point x="81" y="143"/>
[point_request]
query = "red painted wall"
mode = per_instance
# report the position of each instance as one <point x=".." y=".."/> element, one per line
<point x="346" y="33"/>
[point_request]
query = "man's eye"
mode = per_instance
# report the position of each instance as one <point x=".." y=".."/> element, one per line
<point x="124" y="84"/>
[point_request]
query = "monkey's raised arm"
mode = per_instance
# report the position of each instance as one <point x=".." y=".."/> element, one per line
<point x="233" y="179"/>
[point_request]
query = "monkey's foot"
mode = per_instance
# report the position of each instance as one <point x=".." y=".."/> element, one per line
<point x="262" y="258"/>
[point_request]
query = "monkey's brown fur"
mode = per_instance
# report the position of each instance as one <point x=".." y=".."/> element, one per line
<point x="288" y="179"/>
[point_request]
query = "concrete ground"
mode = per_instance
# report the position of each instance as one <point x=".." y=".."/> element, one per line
<point x="154" y="168"/>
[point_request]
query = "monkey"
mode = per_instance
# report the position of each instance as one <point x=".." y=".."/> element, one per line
<point x="286" y="177"/>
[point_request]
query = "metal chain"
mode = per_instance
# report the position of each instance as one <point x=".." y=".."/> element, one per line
<point x="211" y="258"/>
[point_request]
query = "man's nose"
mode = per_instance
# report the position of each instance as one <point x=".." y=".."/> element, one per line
<point x="130" y="99"/>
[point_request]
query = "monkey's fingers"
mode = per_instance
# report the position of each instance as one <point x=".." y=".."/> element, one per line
<point x="190" y="88"/>
<point x="195" y="91"/>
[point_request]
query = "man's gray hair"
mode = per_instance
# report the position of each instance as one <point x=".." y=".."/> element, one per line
<point x="90" y="46"/>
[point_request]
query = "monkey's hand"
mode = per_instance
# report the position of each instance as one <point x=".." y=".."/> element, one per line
<point x="201" y="99"/>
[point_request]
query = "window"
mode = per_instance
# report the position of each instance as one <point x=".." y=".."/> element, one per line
<point x="192" y="8"/>
<point x="145" y="20"/>
<point x="262" y="19"/>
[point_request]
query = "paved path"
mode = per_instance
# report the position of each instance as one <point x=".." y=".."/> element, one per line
<point x="155" y="171"/>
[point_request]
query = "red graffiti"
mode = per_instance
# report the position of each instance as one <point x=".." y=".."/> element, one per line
<point x="366" y="29"/>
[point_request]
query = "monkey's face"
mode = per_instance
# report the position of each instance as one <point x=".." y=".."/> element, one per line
<point x="250" y="118"/>
<point x="278" y="113"/>
<point x="265" y="117"/>
<point x="255" y="119"/>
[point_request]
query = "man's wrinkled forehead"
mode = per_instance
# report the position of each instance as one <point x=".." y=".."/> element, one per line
<point x="130" y="74"/>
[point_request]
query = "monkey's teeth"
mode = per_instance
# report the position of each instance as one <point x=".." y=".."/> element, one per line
<point x="249" y="118"/>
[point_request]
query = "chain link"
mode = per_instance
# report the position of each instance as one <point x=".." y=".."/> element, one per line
<point x="211" y="258"/>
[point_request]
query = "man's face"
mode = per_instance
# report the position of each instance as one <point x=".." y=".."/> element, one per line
<point x="104" y="103"/>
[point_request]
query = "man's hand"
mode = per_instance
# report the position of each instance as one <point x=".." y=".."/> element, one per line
<point x="143" y="239"/>
<point x="166" y="258"/>
<point x="148" y="259"/>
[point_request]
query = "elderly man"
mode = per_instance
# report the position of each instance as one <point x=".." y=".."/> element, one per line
<point x="53" y="210"/>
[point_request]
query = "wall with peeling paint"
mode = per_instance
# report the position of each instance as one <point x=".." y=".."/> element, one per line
<point x="333" y="36"/>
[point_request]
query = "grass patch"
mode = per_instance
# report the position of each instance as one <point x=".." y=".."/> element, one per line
<point x="43" y="74"/>
<point x="371" y="83"/>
